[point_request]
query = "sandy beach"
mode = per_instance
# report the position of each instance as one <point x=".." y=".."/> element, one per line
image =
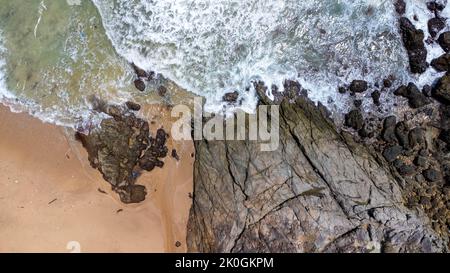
<point x="51" y="200"/>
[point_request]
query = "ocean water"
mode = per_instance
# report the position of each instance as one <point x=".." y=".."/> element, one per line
<point x="55" y="55"/>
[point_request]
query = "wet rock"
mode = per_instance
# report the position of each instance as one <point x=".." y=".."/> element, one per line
<point x="416" y="137"/>
<point x="413" y="40"/>
<point x="402" y="134"/>
<point x="388" y="133"/>
<point x="162" y="90"/>
<point x="376" y="97"/>
<point x="416" y="99"/>
<point x="175" y="155"/>
<point x="358" y="86"/>
<point x="391" y="153"/>
<point x="387" y="83"/>
<point x="133" y="106"/>
<point x="441" y="63"/>
<point x="140" y="85"/>
<point x="436" y="6"/>
<point x="445" y="116"/>
<point x="354" y="119"/>
<point x="403" y="168"/>
<point x="431" y="175"/>
<point x="445" y="136"/>
<point x="231" y="97"/>
<point x="400" y="7"/>
<point x="426" y="90"/>
<point x="441" y="91"/>
<point x="435" y="25"/>
<point x="364" y="132"/>
<point x="115" y="148"/>
<point x="444" y="41"/>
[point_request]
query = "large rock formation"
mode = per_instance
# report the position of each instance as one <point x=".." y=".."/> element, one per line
<point x="320" y="191"/>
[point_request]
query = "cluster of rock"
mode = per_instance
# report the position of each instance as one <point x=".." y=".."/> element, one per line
<point x="121" y="147"/>
<point x="418" y="149"/>
<point x="142" y="77"/>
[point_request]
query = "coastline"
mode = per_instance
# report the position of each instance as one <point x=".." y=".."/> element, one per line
<point x="50" y="195"/>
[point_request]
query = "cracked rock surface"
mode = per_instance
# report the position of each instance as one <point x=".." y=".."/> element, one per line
<point x="318" y="192"/>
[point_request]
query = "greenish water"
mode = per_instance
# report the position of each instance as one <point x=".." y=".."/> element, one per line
<point x="57" y="56"/>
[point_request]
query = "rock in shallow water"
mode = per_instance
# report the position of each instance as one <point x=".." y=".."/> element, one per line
<point x="413" y="40"/>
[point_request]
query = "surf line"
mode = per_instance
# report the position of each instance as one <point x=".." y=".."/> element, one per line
<point x="41" y="10"/>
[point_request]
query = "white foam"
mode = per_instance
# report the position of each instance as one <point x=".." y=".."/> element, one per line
<point x="211" y="47"/>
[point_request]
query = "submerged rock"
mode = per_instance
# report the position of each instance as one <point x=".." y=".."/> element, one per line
<point x="115" y="149"/>
<point x="413" y="40"/>
<point x="319" y="191"/>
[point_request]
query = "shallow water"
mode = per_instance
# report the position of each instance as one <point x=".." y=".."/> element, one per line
<point x="54" y="55"/>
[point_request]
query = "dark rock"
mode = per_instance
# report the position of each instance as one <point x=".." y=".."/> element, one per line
<point x="402" y="134"/>
<point x="140" y="85"/>
<point x="444" y="41"/>
<point x="388" y="133"/>
<point x="157" y="149"/>
<point x="416" y="137"/>
<point x="441" y="90"/>
<point x="175" y="155"/>
<point x="354" y="119"/>
<point x="357" y="103"/>
<point x="133" y="106"/>
<point x="376" y="97"/>
<point x="426" y="90"/>
<point x="441" y="63"/>
<point x="365" y="133"/>
<point x="387" y="83"/>
<point x="431" y="175"/>
<point x="445" y="116"/>
<point x="318" y="185"/>
<point x="421" y="161"/>
<point x="416" y="99"/>
<point x="391" y="153"/>
<point x="358" y="86"/>
<point x="231" y="97"/>
<point x="403" y="168"/>
<point x="342" y="90"/>
<point x="445" y="136"/>
<point x="162" y="90"/>
<point x="424" y="152"/>
<point x="435" y="25"/>
<point x="115" y="148"/>
<point x="436" y="6"/>
<point x="141" y="73"/>
<point x="413" y="40"/>
<point x="400" y="7"/>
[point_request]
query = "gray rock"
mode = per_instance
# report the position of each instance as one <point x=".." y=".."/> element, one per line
<point x="318" y="192"/>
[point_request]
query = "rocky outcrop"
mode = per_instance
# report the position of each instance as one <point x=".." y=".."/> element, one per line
<point x="320" y="191"/>
<point x="413" y="40"/>
<point x="121" y="147"/>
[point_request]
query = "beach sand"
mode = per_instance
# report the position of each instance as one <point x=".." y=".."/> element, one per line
<point x="51" y="199"/>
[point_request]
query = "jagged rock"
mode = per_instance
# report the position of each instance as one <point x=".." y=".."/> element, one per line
<point x="400" y="6"/>
<point x="391" y="153"/>
<point x="354" y="119"/>
<point x="358" y="86"/>
<point x="413" y="40"/>
<point x="140" y="85"/>
<point x="402" y="134"/>
<point x="444" y="41"/>
<point x="432" y="175"/>
<point x="435" y="25"/>
<point x="441" y="63"/>
<point x="441" y="91"/>
<point x="388" y="133"/>
<point x="416" y="99"/>
<point x="319" y="191"/>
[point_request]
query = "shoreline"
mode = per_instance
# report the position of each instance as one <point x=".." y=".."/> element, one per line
<point x="50" y="194"/>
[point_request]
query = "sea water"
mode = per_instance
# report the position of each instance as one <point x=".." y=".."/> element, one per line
<point x="56" y="54"/>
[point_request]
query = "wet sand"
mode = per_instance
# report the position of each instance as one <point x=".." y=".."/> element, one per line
<point x="50" y="199"/>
